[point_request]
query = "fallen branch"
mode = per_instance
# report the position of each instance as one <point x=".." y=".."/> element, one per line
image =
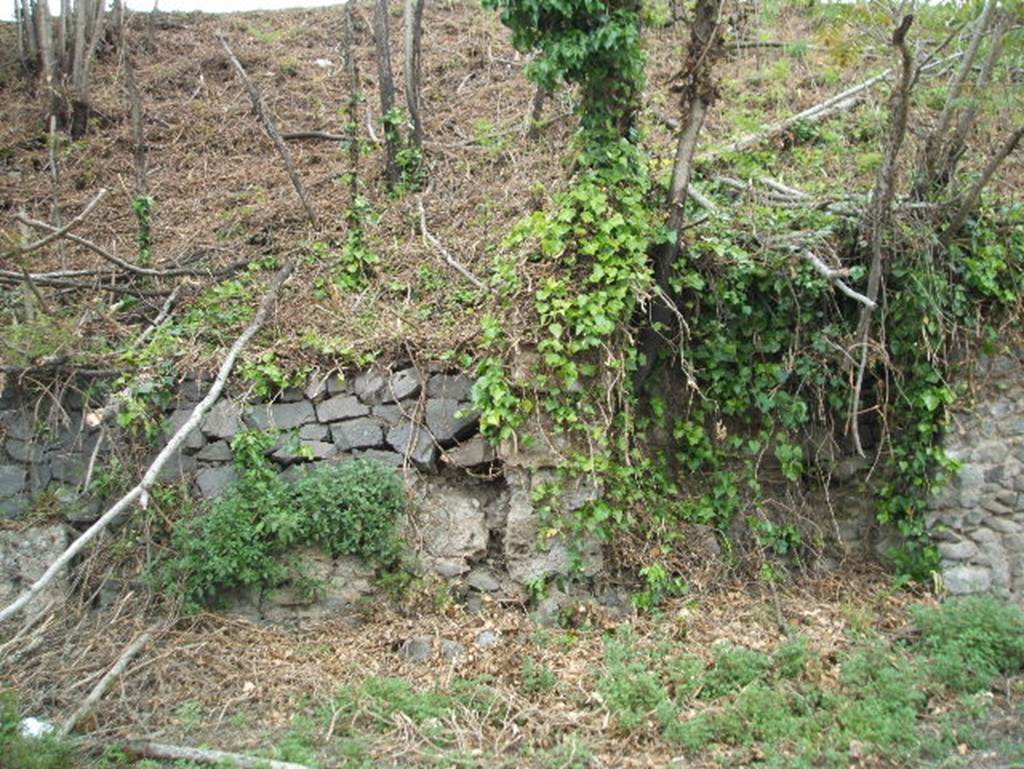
<point x="970" y="200"/>
<point x="61" y="231"/>
<point x="840" y="102"/>
<point x="164" y="752"/>
<point x="140" y="492"/>
<point x="268" y="124"/>
<point x="13" y="277"/>
<point x="295" y="136"/>
<point x="106" y="254"/>
<point x="445" y="254"/>
<point x="834" y="277"/>
<point x="104" y="683"/>
<point x="158" y="321"/>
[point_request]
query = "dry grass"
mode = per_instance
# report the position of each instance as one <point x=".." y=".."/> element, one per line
<point x="222" y="194"/>
<point x="229" y="683"/>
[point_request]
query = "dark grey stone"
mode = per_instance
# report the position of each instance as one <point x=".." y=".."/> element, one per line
<point x="357" y="434"/>
<point x="457" y="386"/>
<point x="290" y="395"/>
<point x="15" y="507"/>
<point x="304" y="451"/>
<point x="1012" y="427"/>
<point x="389" y="458"/>
<point x="288" y="415"/>
<point x="475" y="451"/>
<point x="314" y="432"/>
<point x="390" y="415"/>
<point x="961" y="580"/>
<point x="369" y="387"/>
<point x="68" y="467"/>
<point x="193" y="390"/>
<point x="39" y="476"/>
<point x="337" y="384"/>
<point x="487" y="638"/>
<point x="958" y="551"/>
<point x="417" y="649"/>
<point x="452" y="650"/>
<point x="417" y="443"/>
<point x="16" y="424"/>
<point x="177" y="468"/>
<point x="24" y="451"/>
<point x="341" y="407"/>
<point x="194" y="440"/>
<point x="219" y="451"/>
<point x="401" y="385"/>
<point x="13" y="480"/>
<point x="212" y="481"/>
<point x="449" y="420"/>
<point x="316" y="388"/>
<point x="258" y="416"/>
<point x="75" y="507"/>
<point x="482" y="579"/>
<point x="223" y="420"/>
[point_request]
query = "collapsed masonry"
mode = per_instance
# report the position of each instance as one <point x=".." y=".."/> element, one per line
<point x="473" y="519"/>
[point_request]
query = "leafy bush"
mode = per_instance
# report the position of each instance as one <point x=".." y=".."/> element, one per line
<point x="971" y="641"/>
<point x="735" y="668"/>
<point x="351" y="508"/>
<point x="347" y="509"/>
<point x="17" y="752"/>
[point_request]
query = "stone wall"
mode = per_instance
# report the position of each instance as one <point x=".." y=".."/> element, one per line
<point x="473" y="518"/>
<point x="977" y="521"/>
<point x="469" y="521"/>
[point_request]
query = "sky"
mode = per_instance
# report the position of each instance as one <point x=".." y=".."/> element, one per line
<point x="209" y="6"/>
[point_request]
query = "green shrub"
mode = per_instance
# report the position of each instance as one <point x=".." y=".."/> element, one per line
<point x="970" y="641"/>
<point x="17" y="752"/>
<point x="631" y="687"/>
<point x="351" y="508"/>
<point x="346" y="509"/>
<point x="734" y="668"/>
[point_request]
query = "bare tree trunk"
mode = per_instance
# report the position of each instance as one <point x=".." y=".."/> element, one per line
<point x="536" y="111"/>
<point x="878" y="214"/>
<point x="140" y="151"/>
<point x="62" y="35"/>
<point x="413" y="34"/>
<point x="80" y="105"/>
<point x="970" y="200"/>
<point x="386" y="86"/>
<point x="79" y="113"/>
<point x="933" y="148"/>
<point x="20" y="32"/>
<point x="958" y="142"/>
<point x="260" y="108"/>
<point x="27" y="36"/>
<point x="203" y="756"/>
<point x="698" y="93"/>
<point x="352" y="113"/>
<point x="44" y="39"/>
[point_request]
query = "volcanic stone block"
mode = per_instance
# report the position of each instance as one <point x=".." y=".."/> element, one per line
<point x="212" y="481"/>
<point x="223" y="420"/>
<point x="219" y="451"/>
<point x="341" y="407"/>
<point x="416" y="442"/>
<point x="194" y="440"/>
<point x="357" y="434"/>
<point x="401" y="385"/>
<point x="448" y="419"/>
<point x="457" y="386"/>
